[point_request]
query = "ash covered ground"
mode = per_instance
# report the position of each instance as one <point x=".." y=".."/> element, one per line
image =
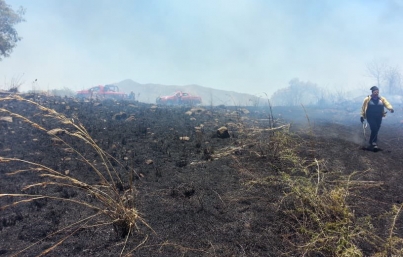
<point x="195" y="189"/>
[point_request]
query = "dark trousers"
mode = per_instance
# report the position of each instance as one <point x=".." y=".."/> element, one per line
<point x="375" y="125"/>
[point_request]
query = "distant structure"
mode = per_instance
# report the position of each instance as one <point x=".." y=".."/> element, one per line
<point x="132" y="96"/>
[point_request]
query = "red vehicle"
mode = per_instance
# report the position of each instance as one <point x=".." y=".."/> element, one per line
<point x="107" y="91"/>
<point x="179" y="98"/>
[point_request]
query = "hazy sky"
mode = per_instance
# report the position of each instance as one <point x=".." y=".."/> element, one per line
<point x="250" y="46"/>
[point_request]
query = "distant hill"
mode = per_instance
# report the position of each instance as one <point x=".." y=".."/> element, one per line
<point x="148" y="93"/>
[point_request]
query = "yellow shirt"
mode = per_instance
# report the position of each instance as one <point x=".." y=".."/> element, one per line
<point x="365" y="105"/>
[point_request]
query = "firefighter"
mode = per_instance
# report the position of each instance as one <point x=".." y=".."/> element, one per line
<point x="373" y="110"/>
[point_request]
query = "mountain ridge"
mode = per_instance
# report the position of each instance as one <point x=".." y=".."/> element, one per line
<point x="149" y="92"/>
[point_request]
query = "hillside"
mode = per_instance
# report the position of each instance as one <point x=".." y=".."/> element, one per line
<point x="147" y="93"/>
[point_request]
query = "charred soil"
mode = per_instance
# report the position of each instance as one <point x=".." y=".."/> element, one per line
<point x="202" y="193"/>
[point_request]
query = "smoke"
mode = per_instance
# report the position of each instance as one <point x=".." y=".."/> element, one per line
<point x="245" y="46"/>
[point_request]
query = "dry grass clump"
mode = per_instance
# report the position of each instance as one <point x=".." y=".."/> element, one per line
<point x="393" y="244"/>
<point x="113" y="204"/>
<point x="316" y="208"/>
<point x="321" y="221"/>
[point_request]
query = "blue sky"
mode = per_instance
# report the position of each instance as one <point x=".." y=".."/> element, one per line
<point x="250" y="46"/>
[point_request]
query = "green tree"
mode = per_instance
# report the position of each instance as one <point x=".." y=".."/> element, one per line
<point x="8" y="35"/>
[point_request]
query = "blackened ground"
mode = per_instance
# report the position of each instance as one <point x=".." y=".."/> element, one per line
<point x="195" y="194"/>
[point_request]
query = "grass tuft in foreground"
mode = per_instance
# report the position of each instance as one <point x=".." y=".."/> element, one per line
<point x="112" y="202"/>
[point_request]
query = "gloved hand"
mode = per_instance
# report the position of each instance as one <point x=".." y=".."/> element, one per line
<point x="362" y="119"/>
<point x="392" y="111"/>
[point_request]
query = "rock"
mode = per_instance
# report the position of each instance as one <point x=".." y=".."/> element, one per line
<point x="131" y="118"/>
<point x="199" y="128"/>
<point x="56" y="131"/>
<point x="120" y="116"/>
<point x="244" y="111"/>
<point x="197" y="110"/>
<point x="223" y="132"/>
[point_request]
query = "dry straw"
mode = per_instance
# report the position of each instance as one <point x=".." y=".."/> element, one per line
<point x="112" y="203"/>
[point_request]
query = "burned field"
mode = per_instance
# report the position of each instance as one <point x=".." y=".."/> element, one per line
<point x="109" y="178"/>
